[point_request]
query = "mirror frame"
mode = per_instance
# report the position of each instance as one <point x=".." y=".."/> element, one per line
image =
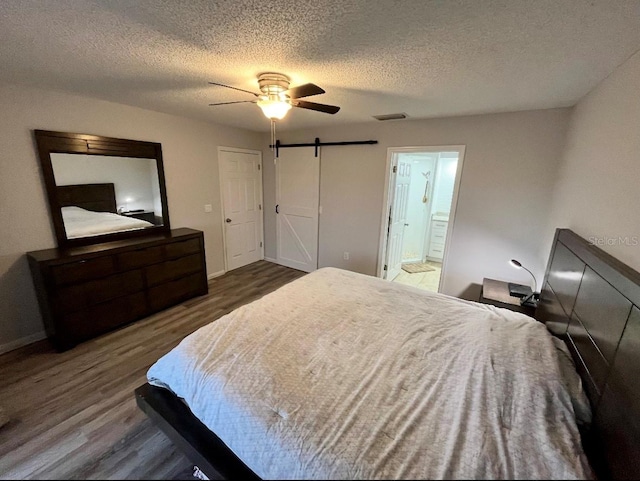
<point x="49" y="142"/>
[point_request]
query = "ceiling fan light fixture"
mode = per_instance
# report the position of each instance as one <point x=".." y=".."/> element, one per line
<point x="274" y="109"/>
<point x="276" y="98"/>
<point x="273" y="83"/>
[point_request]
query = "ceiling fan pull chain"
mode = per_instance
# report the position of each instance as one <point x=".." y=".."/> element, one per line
<point x="273" y="140"/>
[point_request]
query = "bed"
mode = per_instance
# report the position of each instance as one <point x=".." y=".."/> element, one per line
<point x="339" y="375"/>
<point x="90" y="210"/>
<point x="79" y="222"/>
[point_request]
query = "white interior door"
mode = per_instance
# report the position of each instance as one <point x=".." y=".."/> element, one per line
<point x="297" y="204"/>
<point x="241" y="186"/>
<point x="398" y="216"/>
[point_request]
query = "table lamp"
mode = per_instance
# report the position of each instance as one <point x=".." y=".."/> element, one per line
<point x="531" y="299"/>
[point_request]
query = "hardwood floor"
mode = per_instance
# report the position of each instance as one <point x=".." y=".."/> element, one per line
<point x="73" y="414"/>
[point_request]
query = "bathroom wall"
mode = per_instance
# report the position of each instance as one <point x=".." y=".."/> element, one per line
<point x="440" y="206"/>
<point x="442" y="173"/>
<point x="418" y="212"/>
<point x="445" y="179"/>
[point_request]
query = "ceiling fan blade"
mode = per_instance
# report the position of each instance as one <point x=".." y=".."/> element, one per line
<point x="238" y="102"/>
<point x="303" y="104"/>
<point x="234" y="88"/>
<point x="306" y="90"/>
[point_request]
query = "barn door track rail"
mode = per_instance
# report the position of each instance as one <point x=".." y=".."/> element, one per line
<point x="317" y="144"/>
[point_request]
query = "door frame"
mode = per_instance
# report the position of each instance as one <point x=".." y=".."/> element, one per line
<point x="392" y="153"/>
<point x="221" y="192"/>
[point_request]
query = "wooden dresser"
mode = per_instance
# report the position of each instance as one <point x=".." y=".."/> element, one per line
<point x="86" y="291"/>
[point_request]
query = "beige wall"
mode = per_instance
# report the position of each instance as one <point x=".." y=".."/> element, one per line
<point x="598" y="190"/>
<point x="505" y="194"/>
<point x="190" y="159"/>
<point x="520" y="181"/>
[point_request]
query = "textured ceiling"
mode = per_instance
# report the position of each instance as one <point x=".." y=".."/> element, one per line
<point x="424" y="58"/>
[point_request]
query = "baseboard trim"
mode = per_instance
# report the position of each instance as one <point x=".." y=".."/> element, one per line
<point x="215" y="274"/>
<point x="23" y="341"/>
<point x="407" y="261"/>
<point x="270" y="259"/>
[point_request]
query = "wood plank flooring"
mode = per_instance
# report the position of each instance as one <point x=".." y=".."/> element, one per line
<point x="73" y="414"/>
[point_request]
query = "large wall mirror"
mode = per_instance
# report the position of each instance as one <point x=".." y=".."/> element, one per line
<point x="102" y="188"/>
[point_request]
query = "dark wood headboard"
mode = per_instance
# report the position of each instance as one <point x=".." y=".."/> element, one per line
<point x="95" y="197"/>
<point x="592" y="301"/>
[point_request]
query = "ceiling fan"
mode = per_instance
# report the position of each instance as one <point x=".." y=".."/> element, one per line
<point x="276" y="98"/>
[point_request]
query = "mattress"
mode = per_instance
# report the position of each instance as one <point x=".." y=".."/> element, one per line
<point x="79" y="222"/>
<point x="339" y="375"/>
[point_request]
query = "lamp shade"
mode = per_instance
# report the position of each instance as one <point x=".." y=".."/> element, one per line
<point x="274" y="109"/>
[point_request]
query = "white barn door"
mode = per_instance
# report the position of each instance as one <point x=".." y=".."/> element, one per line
<point x="241" y="182"/>
<point x="297" y="204"/>
<point x="398" y="217"/>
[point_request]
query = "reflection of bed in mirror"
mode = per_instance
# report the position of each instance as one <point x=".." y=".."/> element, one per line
<point x="94" y="197"/>
<point x="90" y="210"/>
<point x="103" y="174"/>
<point x="79" y="222"/>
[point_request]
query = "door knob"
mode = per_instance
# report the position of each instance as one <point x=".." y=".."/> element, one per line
<point x="227" y="220"/>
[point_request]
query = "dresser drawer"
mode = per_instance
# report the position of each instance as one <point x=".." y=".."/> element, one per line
<point x="182" y="248"/>
<point x="438" y="236"/>
<point x="101" y="318"/>
<point x="438" y="224"/>
<point x="86" y="291"/>
<point x="172" y="292"/>
<point x="139" y="258"/>
<point x="159" y="273"/>
<point x="436" y="250"/>
<point x="80" y="296"/>
<point x="82" y="270"/>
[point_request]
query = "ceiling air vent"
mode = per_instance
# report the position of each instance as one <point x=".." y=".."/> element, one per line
<point x="390" y="116"/>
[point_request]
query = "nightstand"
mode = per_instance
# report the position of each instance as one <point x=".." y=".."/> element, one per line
<point x="496" y="293"/>
<point x="147" y="215"/>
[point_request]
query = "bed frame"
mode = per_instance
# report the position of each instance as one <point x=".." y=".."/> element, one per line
<point x="592" y="301"/>
<point x="196" y="441"/>
<point x="94" y="197"/>
<point x="589" y="299"/>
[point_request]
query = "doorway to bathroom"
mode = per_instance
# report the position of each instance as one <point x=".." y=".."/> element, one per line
<point x="418" y="217"/>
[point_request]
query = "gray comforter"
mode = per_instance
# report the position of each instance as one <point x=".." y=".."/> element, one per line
<point x="339" y="375"/>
